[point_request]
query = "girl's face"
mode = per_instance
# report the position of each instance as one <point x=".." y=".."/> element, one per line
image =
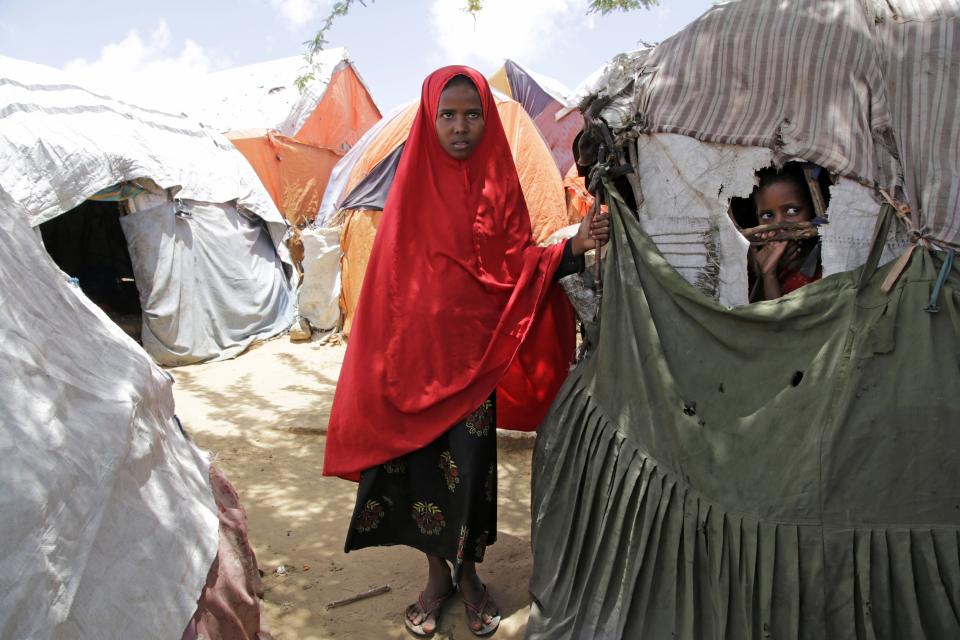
<point x="783" y="201"/>
<point x="460" y="120"/>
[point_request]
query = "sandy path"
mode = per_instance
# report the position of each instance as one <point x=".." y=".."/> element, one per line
<point x="262" y="416"/>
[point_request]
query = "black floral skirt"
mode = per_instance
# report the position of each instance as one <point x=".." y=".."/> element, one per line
<point x="441" y="499"/>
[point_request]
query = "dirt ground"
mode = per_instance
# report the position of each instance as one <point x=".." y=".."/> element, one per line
<point x="263" y="416"/>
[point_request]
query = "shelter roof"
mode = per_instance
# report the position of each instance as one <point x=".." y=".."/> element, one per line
<point x="60" y="144"/>
<point x="514" y="71"/>
<point x="860" y="89"/>
<point x="266" y="94"/>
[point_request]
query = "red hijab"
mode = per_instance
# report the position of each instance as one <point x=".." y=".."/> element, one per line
<point x="457" y="301"/>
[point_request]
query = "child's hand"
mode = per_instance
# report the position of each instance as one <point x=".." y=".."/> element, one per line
<point x="593" y="233"/>
<point x="769" y="259"/>
<point x="773" y="256"/>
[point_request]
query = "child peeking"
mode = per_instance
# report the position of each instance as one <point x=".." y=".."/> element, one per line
<point x="782" y="266"/>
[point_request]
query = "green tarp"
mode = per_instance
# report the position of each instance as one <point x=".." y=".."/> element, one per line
<point x="783" y="470"/>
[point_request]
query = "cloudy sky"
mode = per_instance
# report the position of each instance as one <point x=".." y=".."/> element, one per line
<point x="132" y="47"/>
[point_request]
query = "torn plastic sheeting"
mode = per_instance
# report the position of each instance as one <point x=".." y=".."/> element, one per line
<point x="687" y="186"/>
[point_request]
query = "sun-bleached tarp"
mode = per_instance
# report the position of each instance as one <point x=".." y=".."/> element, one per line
<point x="265" y="94"/>
<point x="319" y="300"/>
<point x="109" y="526"/>
<point x="210" y="281"/>
<point x="60" y="144"/>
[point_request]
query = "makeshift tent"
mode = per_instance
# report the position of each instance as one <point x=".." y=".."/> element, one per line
<point x="292" y="139"/>
<point x="204" y="242"/>
<point x="785" y="469"/>
<point x="110" y="518"/>
<point x="545" y="99"/>
<point x="357" y="193"/>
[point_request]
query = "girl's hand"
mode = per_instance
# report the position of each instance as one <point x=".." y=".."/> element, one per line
<point x="593" y="233"/>
<point x="773" y="256"/>
<point x="769" y="259"/>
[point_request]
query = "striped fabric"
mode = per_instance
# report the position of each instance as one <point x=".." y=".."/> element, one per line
<point x="922" y="70"/>
<point x="866" y="88"/>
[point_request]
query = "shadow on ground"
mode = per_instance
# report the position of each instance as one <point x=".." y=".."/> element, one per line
<point x="262" y="416"/>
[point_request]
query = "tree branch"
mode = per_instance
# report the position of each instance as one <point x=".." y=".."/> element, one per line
<point x="316" y="44"/>
<point x="342" y="7"/>
<point x="604" y="7"/>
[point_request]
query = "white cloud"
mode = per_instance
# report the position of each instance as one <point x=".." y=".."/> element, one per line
<point x="147" y="71"/>
<point x="299" y="13"/>
<point x="524" y="30"/>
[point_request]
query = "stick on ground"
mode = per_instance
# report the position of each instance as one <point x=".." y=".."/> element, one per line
<point x="360" y="596"/>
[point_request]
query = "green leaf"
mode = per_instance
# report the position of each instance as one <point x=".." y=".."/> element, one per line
<point x="604" y="7"/>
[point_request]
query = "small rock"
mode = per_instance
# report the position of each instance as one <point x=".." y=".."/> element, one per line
<point x="300" y="330"/>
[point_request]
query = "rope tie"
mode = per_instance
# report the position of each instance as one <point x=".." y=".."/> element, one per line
<point x="904" y="213"/>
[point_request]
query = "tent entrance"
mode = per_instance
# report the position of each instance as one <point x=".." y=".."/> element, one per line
<point x="88" y="244"/>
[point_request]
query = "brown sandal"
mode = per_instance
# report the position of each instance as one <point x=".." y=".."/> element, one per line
<point x="475" y="611"/>
<point x="431" y="609"/>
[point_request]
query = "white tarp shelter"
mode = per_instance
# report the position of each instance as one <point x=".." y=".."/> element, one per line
<point x="265" y="94"/>
<point x="109" y="526"/>
<point x="785" y="469"/>
<point x="205" y="239"/>
<point x="294" y="138"/>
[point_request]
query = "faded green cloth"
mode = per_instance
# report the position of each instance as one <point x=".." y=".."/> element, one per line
<point x="783" y="470"/>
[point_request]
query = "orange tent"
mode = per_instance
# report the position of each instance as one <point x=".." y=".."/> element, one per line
<point x="294" y="173"/>
<point x="545" y="100"/>
<point x="293" y="139"/>
<point x="579" y="199"/>
<point x="371" y="165"/>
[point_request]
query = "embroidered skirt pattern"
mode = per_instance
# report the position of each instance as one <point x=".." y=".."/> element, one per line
<point x="440" y="499"/>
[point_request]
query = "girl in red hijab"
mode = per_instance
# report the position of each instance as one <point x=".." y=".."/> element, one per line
<point x="458" y="330"/>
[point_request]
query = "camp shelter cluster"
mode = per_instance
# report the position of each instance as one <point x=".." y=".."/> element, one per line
<point x="138" y="237"/>
<point x="714" y="467"/>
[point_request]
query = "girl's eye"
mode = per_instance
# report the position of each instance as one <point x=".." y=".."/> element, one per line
<point x="793" y="211"/>
<point x="766" y="215"/>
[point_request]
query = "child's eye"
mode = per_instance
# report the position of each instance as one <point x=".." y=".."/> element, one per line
<point x="766" y="215"/>
<point x="793" y="211"/>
